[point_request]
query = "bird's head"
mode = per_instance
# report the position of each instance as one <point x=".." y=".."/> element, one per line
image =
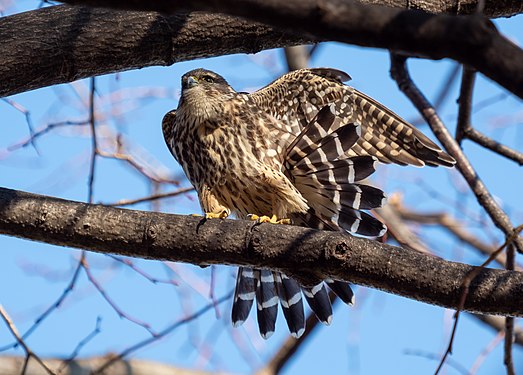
<point x="203" y="92"/>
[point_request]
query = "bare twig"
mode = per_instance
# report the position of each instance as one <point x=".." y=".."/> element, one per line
<point x="129" y="202"/>
<point x="54" y="305"/>
<point x="453" y="226"/>
<point x="160" y="334"/>
<point x="435" y="357"/>
<point x="28" y="120"/>
<point x="485" y="352"/>
<point x="129" y="159"/>
<point x="141" y="272"/>
<point x="464" y="128"/>
<point x="43" y="131"/>
<point x="28" y="352"/>
<point x="487" y="142"/>
<point x="81" y="344"/>
<point x="443" y="93"/>
<point x="119" y="311"/>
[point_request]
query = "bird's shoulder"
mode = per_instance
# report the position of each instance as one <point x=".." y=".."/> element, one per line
<point x="300" y="81"/>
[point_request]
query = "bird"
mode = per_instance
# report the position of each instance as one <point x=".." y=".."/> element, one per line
<point x="296" y="150"/>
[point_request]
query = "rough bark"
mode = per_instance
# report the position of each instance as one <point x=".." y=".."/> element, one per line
<point x="471" y="40"/>
<point x="61" y="44"/>
<point x="492" y="8"/>
<point x="305" y="254"/>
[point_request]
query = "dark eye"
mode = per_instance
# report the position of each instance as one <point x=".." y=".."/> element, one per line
<point x="208" y="79"/>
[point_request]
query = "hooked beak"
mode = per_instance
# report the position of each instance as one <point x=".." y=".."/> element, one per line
<point x="191" y="82"/>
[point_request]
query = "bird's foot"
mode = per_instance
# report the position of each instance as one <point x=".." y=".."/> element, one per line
<point x="266" y="219"/>
<point x="214" y="215"/>
<point x="211" y="215"/>
<point x="217" y="215"/>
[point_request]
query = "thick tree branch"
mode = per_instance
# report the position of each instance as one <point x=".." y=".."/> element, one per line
<point x="471" y="40"/>
<point x="303" y="253"/>
<point x="492" y="8"/>
<point x="61" y="44"/>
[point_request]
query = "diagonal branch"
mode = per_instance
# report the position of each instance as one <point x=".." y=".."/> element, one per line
<point x="401" y="75"/>
<point x="305" y="254"/>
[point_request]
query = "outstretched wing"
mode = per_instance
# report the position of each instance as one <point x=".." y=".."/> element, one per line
<point x="296" y="98"/>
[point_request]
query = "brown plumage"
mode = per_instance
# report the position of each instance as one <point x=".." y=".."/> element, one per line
<point x="295" y="149"/>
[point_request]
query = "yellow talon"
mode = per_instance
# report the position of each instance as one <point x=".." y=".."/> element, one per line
<point x="266" y="219"/>
<point x="216" y="215"/>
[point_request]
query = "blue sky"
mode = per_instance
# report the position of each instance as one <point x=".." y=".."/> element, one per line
<point x="383" y="333"/>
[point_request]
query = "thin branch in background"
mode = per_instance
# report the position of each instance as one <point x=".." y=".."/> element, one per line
<point x="160" y="334"/>
<point x="129" y="202"/>
<point x="108" y="299"/>
<point x="94" y="149"/>
<point x="509" y="320"/>
<point x="28" y="120"/>
<point x="42" y="131"/>
<point x="401" y="75"/>
<point x="28" y="352"/>
<point x="435" y="357"/>
<point x="485" y="352"/>
<point x="53" y="306"/>
<point x="131" y="265"/>
<point x="205" y="351"/>
<point x="443" y="93"/>
<point x="499" y="148"/>
<point x="81" y="344"/>
<point x="132" y="162"/>
<point x="487" y="102"/>
<point x="452" y="225"/>
<point x="464" y="127"/>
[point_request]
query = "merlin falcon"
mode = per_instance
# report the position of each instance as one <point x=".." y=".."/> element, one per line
<point x="297" y="149"/>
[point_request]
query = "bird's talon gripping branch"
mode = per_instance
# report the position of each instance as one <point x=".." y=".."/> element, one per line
<point x="217" y="215"/>
<point x="266" y="219"/>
